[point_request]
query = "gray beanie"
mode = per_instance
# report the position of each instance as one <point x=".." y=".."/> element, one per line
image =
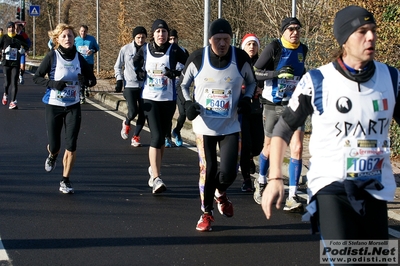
<point x="348" y="20"/>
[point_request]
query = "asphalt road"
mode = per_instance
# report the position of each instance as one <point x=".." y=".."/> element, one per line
<point x="113" y="218"/>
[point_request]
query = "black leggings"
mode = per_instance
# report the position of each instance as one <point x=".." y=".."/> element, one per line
<point x="182" y="115"/>
<point x="159" y="116"/>
<point x="56" y="118"/>
<point x="338" y="220"/>
<point x="11" y="75"/>
<point x="252" y="141"/>
<point x="181" y="118"/>
<point x="222" y="179"/>
<point x="134" y="100"/>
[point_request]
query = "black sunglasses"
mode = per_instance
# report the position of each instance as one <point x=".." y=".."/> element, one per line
<point x="294" y="28"/>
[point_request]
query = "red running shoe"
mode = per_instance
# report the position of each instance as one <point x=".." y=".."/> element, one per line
<point x="125" y="130"/>
<point x="204" y="223"/>
<point x="4" y="100"/>
<point x="136" y="141"/>
<point x="225" y="206"/>
<point x="13" y="105"/>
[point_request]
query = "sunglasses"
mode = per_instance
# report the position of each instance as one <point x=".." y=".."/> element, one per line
<point x="297" y="28"/>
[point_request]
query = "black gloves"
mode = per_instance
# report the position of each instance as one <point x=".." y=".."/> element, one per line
<point x="171" y="74"/>
<point x="118" y="87"/>
<point x="82" y="80"/>
<point x="244" y="106"/>
<point x="140" y="75"/>
<point x="286" y="72"/>
<point x="192" y="110"/>
<point x="59" y="85"/>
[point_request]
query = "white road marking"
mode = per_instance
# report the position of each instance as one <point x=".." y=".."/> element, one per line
<point x="3" y="253"/>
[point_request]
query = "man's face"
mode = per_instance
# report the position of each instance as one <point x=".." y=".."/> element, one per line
<point x="251" y="48"/>
<point x="220" y="43"/>
<point x="82" y="32"/>
<point x="292" y="34"/>
<point x="140" y="39"/>
<point x="360" y="46"/>
<point x="18" y="28"/>
<point x="173" y="39"/>
<point x="11" y="29"/>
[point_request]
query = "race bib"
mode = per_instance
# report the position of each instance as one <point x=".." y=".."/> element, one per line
<point x="12" y="54"/>
<point x="68" y="94"/>
<point x="286" y="87"/>
<point x="218" y="103"/>
<point x="156" y="80"/>
<point x="83" y="49"/>
<point x="364" y="159"/>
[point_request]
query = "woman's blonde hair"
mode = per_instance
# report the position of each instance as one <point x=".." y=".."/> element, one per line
<point x="53" y="34"/>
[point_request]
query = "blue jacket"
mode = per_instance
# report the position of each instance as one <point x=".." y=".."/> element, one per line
<point x="88" y="43"/>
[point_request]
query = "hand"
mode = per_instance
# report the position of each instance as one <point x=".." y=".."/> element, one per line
<point x="7" y="50"/>
<point x="286" y="72"/>
<point x="192" y="110"/>
<point x="171" y="74"/>
<point x="22" y="51"/>
<point x="274" y="191"/>
<point x="140" y="75"/>
<point x="60" y="85"/>
<point x="82" y="80"/>
<point x="244" y="106"/>
<point x="118" y="87"/>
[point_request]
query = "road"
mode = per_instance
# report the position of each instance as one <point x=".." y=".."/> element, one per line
<point x="113" y="218"/>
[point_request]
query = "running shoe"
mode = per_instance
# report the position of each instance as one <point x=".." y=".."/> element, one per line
<point x="258" y="191"/>
<point x="83" y="101"/>
<point x="293" y="204"/>
<point x="247" y="185"/>
<point x="125" y="130"/>
<point x="158" y="185"/>
<point x="13" y="105"/>
<point x="168" y="143"/>
<point x="66" y="188"/>
<point x="135" y="142"/>
<point x="4" y="101"/>
<point x="151" y="179"/>
<point x="21" y="79"/>
<point x="178" y="138"/>
<point x="50" y="163"/>
<point x="204" y="223"/>
<point x="225" y="206"/>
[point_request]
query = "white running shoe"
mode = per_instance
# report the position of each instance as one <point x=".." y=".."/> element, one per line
<point x="50" y="163"/>
<point x="150" y="182"/>
<point x="158" y="186"/>
<point x="66" y="188"/>
<point x="135" y="142"/>
<point x="293" y="204"/>
<point x="125" y="130"/>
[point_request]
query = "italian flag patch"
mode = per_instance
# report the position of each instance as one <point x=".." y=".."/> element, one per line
<point x="380" y="105"/>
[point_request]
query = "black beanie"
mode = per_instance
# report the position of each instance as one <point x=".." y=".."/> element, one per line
<point x="289" y="21"/>
<point x="139" y="30"/>
<point x="348" y="20"/>
<point x="159" y="23"/>
<point x="173" y="33"/>
<point x="10" y="24"/>
<point x="220" y="26"/>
